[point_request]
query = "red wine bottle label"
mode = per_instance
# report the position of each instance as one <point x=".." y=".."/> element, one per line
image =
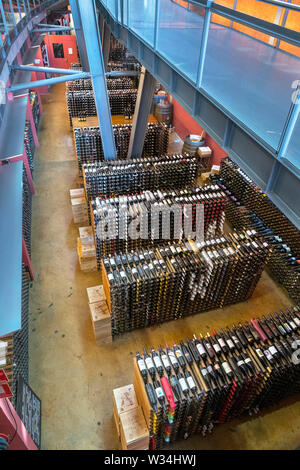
<point x="165" y="360"/>
<point x="149" y="362"/>
<point x="191" y="382"/>
<point x="183" y="385"/>
<point x="222" y="342"/>
<point x="226" y="368"/>
<point x="141" y="365"/>
<point x="230" y="344"/>
<point x="157" y="362"/>
<point x="172" y="357"/>
<point x="200" y="349"/>
<point x="273" y="350"/>
<point x="159" y="392"/>
<point x="216" y="347"/>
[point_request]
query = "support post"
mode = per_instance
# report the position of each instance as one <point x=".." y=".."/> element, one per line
<point x="141" y="114"/>
<point x="79" y="34"/>
<point x="47" y="82"/>
<point x="273" y="177"/>
<point x="290" y="124"/>
<point x="88" y="15"/>
<point x="204" y="43"/>
<point x="29" y="117"/>
<point x="26" y="259"/>
<point x="106" y="44"/>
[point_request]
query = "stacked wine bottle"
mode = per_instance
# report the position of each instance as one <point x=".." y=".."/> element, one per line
<point x="191" y="386"/>
<point x="175" y="280"/>
<point x="160" y="215"/>
<point x="89" y="147"/>
<point x="284" y="262"/>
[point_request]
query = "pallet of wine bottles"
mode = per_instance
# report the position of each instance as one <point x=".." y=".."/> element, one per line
<point x="89" y="147"/>
<point x="258" y="202"/>
<point x="127" y="64"/>
<point x="29" y="144"/>
<point x="153" y="211"/>
<point x="283" y="264"/>
<point x="175" y="280"/>
<point x="132" y="176"/>
<point x="81" y="103"/>
<point x="119" y="83"/>
<point x="27" y="211"/>
<point x="192" y="386"/>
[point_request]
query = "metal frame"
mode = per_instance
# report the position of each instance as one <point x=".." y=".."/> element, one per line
<point x="240" y="142"/>
<point x="47" y="82"/>
<point x="87" y="16"/>
<point x="141" y="114"/>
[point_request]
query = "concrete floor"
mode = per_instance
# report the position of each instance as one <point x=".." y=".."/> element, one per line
<point x="73" y="377"/>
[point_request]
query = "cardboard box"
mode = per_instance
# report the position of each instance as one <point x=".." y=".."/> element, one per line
<point x="101" y="321"/>
<point x="205" y="177"/>
<point x="87" y="263"/>
<point x="204" y="151"/>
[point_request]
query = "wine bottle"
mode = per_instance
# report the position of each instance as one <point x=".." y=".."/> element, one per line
<point x="200" y="348"/>
<point x="165" y="361"/>
<point x="173" y="359"/>
<point x="179" y="356"/>
<point x="142" y="367"/>
<point x="149" y="364"/>
<point x="191" y="382"/>
<point x="159" y="392"/>
<point x="157" y="362"/>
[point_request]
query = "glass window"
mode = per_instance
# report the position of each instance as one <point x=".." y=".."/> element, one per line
<point x="58" y="50"/>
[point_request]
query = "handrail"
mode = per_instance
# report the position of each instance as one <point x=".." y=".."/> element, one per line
<point x="279" y="3"/>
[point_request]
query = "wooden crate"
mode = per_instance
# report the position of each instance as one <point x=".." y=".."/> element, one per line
<point x="86" y="235"/>
<point x="80" y="210"/>
<point x="95" y="294"/>
<point x="106" y="285"/>
<point x="133" y="430"/>
<point x="76" y="193"/>
<point x="87" y="264"/>
<point x="101" y="322"/>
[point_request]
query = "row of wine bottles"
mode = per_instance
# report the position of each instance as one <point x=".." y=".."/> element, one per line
<point x="283" y="264"/>
<point x="174" y="280"/>
<point x="121" y="177"/>
<point x="190" y="386"/>
<point x="89" y="147"/>
<point x="257" y="201"/>
<point x="158" y="216"/>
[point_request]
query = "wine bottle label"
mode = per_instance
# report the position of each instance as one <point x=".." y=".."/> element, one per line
<point x="240" y="363"/>
<point x="247" y="360"/>
<point x="293" y="325"/>
<point x="204" y="372"/>
<point x="165" y="361"/>
<point x="222" y="342"/>
<point x="157" y="362"/>
<point x="273" y="350"/>
<point x="259" y="352"/>
<point x="191" y="382"/>
<point x="172" y="357"/>
<point x="297" y="321"/>
<point x="230" y="344"/>
<point x="122" y="273"/>
<point x="235" y="340"/>
<point x="149" y="362"/>
<point x="216" y="347"/>
<point x="201" y="349"/>
<point x="134" y="270"/>
<point x="141" y="365"/>
<point x="268" y="355"/>
<point x="110" y="277"/>
<point x="159" y="392"/>
<point x="226" y="367"/>
<point x="183" y="384"/>
<point x="178" y="353"/>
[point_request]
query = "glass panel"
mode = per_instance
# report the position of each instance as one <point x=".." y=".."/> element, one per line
<point x="180" y="34"/>
<point x="293" y="152"/>
<point x="111" y="6"/>
<point x="58" y="51"/>
<point x="251" y="79"/>
<point x="141" y="18"/>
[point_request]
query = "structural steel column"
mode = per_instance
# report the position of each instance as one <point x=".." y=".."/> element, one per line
<point x="141" y="114"/>
<point x="89" y="21"/>
<point x="79" y="35"/>
<point x="106" y="44"/>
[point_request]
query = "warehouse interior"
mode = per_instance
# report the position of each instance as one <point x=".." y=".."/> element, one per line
<point x="227" y="116"/>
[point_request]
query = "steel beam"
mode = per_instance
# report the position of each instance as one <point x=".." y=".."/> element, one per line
<point x="204" y="40"/>
<point x="290" y="125"/>
<point x="106" y="44"/>
<point x="35" y="68"/>
<point x="88" y="15"/>
<point x="273" y="177"/>
<point x="122" y="73"/>
<point x="47" y="82"/>
<point x="79" y="34"/>
<point x="52" y="30"/>
<point x="141" y="114"/>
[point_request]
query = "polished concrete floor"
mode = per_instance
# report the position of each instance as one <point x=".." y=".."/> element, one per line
<point x="73" y="377"/>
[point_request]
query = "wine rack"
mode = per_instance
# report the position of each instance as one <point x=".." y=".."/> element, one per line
<point x="195" y="385"/>
<point x="172" y="281"/>
<point x="29" y="145"/>
<point x="89" y="147"/>
<point x="157" y="222"/>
